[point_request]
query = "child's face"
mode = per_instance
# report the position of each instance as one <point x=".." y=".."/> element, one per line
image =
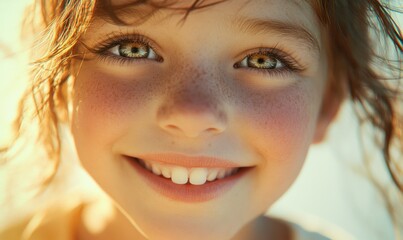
<point x="198" y="91"/>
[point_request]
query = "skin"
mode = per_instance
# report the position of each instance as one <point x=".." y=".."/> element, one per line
<point x="253" y="118"/>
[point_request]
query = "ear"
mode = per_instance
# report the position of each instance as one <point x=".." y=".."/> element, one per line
<point x="332" y="99"/>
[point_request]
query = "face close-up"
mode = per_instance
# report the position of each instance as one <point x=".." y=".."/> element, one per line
<point x="221" y="107"/>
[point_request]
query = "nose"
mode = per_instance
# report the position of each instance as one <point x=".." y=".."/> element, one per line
<point x="192" y="116"/>
<point x="192" y="124"/>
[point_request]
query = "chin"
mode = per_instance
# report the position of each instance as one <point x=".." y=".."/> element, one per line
<point x="176" y="227"/>
<point x="179" y="232"/>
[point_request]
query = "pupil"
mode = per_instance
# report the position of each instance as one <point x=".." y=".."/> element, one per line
<point x="260" y="60"/>
<point x="135" y="50"/>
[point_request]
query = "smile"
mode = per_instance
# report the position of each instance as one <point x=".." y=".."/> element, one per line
<point x="179" y="179"/>
<point x="182" y="175"/>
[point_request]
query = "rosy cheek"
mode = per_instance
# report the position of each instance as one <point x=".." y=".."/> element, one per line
<point x="282" y="121"/>
<point x="107" y="102"/>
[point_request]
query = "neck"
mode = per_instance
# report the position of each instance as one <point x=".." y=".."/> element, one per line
<point x="263" y="227"/>
<point x="113" y="225"/>
<point x="118" y="226"/>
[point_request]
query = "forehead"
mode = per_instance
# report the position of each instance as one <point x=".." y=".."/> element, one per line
<point x="280" y="9"/>
<point x="298" y="14"/>
<point x="188" y="3"/>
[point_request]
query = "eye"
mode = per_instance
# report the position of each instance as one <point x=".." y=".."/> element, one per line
<point x="126" y="48"/>
<point x="261" y="60"/>
<point x="133" y="50"/>
<point x="272" y="62"/>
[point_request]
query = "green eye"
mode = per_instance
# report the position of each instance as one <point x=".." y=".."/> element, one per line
<point x="261" y="61"/>
<point x="133" y="50"/>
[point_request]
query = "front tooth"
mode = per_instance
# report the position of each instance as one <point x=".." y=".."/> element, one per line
<point x="156" y="169"/>
<point x="198" y="176"/>
<point x="179" y="175"/>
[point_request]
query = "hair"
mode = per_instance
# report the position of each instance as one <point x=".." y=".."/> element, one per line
<point x="349" y="23"/>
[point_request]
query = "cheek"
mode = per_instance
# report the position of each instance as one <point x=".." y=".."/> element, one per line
<point x="278" y="125"/>
<point x="104" y="104"/>
<point x="281" y="122"/>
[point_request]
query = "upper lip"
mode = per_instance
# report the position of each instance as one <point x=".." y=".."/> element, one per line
<point x="188" y="161"/>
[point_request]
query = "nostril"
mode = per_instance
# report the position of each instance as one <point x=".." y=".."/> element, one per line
<point x="192" y="124"/>
<point x="173" y="127"/>
<point x="212" y="130"/>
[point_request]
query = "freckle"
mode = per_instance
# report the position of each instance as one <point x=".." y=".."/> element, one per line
<point x="172" y="142"/>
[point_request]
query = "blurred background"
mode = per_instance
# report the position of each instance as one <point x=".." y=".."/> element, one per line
<point x="333" y="189"/>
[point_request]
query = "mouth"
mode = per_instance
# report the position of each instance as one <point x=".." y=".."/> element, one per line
<point x="186" y="183"/>
<point x="182" y="175"/>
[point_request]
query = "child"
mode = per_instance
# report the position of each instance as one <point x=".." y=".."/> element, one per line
<point x="195" y="117"/>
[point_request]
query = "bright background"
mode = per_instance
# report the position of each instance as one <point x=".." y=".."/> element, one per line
<point x="333" y="187"/>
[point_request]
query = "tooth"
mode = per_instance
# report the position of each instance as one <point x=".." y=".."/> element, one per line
<point x="148" y="166"/>
<point x="179" y="175"/>
<point x="212" y="175"/>
<point x="166" y="172"/>
<point x="198" y="176"/>
<point x="228" y="172"/>
<point x="156" y="169"/>
<point x="221" y="174"/>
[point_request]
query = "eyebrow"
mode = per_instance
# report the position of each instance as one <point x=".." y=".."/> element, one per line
<point x="253" y="26"/>
<point x="126" y="14"/>
<point x="256" y="26"/>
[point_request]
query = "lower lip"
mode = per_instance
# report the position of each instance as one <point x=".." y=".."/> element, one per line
<point x="188" y="192"/>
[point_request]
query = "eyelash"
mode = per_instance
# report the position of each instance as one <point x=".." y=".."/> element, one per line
<point x="116" y="39"/>
<point x="290" y="65"/>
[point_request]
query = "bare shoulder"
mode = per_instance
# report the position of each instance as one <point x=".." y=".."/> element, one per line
<point x="283" y="229"/>
<point x="310" y="230"/>
<point x="54" y="222"/>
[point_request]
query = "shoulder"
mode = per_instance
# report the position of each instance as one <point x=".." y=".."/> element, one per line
<point x="300" y="233"/>
<point x="308" y="230"/>
<point x="57" y="221"/>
